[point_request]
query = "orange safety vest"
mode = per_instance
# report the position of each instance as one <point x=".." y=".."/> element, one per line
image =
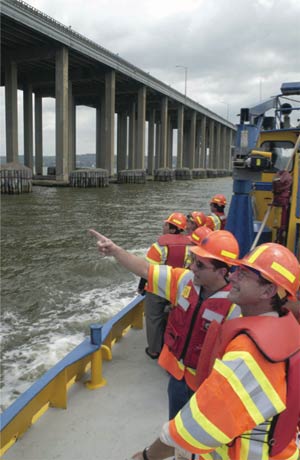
<point x="186" y="330"/>
<point x="176" y="244"/>
<point x="286" y="347"/>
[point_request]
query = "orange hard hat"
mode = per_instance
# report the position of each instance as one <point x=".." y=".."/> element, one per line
<point x="178" y="219"/>
<point x="219" y="200"/>
<point x="213" y="222"/>
<point x="198" y="217"/>
<point x="277" y="264"/>
<point x="197" y="236"/>
<point x="220" y="245"/>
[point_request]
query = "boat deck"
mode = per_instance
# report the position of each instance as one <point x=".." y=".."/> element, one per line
<point x="110" y="423"/>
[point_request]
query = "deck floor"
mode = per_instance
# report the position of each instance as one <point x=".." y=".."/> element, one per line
<point x="110" y="423"/>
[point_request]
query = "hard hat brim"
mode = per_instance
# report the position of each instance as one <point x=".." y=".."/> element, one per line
<point x="199" y="251"/>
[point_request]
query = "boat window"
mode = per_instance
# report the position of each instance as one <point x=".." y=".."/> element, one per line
<point x="281" y="153"/>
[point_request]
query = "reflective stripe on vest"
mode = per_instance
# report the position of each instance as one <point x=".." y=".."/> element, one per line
<point x="186" y="330"/>
<point x="241" y="390"/>
<point x="222" y="218"/>
<point x="176" y="248"/>
<point x="286" y="348"/>
<point x="217" y="221"/>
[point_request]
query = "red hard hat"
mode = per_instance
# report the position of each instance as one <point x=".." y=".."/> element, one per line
<point x="178" y="219"/>
<point x="277" y="264"/>
<point x="197" y="236"/>
<point x="198" y="217"/>
<point x="219" y="200"/>
<point x="220" y="245"/>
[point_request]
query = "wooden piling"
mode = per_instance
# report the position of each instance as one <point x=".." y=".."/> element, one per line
<point x="132" y="176"/>
<point x="84" y="178"/>
<point x="15" y="178"/>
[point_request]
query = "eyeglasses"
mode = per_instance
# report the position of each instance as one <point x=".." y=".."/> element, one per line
<point x="200" y="265"/>
<point x="246" y="272"/>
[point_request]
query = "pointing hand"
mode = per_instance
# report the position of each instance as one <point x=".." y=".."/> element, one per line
<point x="106" y="247"/>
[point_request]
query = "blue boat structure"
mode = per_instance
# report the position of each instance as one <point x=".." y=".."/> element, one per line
<point x="129" y="402"/>
<point x="265" y="205"/>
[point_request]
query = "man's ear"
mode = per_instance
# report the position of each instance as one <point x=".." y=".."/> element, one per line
<point x="223" y="271"/>
<point x="269" y="290"/>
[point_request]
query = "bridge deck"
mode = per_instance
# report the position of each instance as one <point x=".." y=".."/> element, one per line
<point x="110" y="423"/>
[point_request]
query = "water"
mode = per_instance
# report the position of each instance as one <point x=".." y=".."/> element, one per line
<point x="54" y="283"/>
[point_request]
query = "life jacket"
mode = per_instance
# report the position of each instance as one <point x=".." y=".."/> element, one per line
<point x="222" y="218"/>
<point x="186" y="329"/>
<point x="213" y="222"/>
<point x="176" y="244"/>
<point x="286" y="347"/>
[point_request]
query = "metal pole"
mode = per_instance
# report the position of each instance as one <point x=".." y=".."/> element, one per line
<point x="185" y="77"/>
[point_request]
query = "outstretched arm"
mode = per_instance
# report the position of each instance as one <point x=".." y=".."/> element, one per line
<point x="134" y="264"/>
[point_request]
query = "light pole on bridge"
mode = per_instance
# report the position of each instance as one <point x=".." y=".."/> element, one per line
<point x="185" y="77"/>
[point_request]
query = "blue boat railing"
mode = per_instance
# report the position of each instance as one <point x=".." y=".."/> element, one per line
<point x="52" y="388"/>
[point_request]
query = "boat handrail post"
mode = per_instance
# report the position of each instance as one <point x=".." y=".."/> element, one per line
<point x="97" y="380"/>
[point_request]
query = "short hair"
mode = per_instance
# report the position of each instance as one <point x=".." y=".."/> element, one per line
<point x="218" y="207"/>
<point x="276" y="302"/>
<point x="174" y="227"/>
<point x="220" y="264"/>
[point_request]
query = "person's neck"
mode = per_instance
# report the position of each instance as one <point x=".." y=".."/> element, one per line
<point x="207" y="291"/>
<point x="256" y="310"/>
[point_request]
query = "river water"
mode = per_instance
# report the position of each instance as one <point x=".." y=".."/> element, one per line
<point x="54" y="283"/>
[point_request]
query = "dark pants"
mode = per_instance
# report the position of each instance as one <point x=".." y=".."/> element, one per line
<point x="179" y="394"/>
<point x="156" y="320"/>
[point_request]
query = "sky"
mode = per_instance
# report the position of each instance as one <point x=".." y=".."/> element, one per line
<point x="237" y="52"/>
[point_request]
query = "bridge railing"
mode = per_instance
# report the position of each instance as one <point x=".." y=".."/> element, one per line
<point x="52" y="388"/>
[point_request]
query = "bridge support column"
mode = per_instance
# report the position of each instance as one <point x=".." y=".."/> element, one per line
<point x="72" y="130"/>
<point x="186" y="144"/>
<point x="211" y="143"/>
<point x="180" y="124"/>
<point x="132" y="137"/>
<point x="141" y="122"/>
<point x="38" y="116"/>
<point x="197" y="144"/>
<point x="217" y="163"/>
<point x="151" y="132"/>
<point x="164" y="132"/>
<point x="228" y="164"/>
<point x="100" y="132"/>
<point x="158" y="145"/>
<point x="62" y="113"/>
<point x="192" y="141"/>
<point x="110" y="96"/>
<point x="122" y="142"/>
<point x="98" y="136"/>
<point x="202" y="163"/>
<point x="170" y="144"/>
<point x="11" y="111"/>
<point x="28" y="126"/>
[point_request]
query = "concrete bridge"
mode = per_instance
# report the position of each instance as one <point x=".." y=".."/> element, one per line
<point x="43" y="57"/>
